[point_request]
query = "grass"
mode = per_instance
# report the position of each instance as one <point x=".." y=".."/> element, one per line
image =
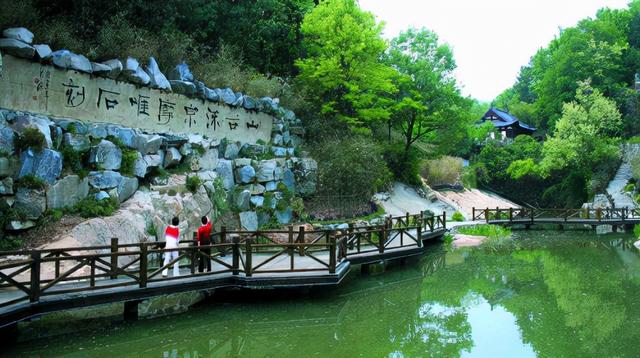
<point x="498" y="238"/>
<point x="193" y="183"/>
<point x="446" y="170"/>
<point x="89" y="207"/>
<point x="129" y="157"/>
<point x="72" y="161"/>
<point x="30" y="182"/>
<point x="457" y="216"/>
<point x="30" y="138"/>
<point x="636" y="230"/>
<point x="378" y="213"/>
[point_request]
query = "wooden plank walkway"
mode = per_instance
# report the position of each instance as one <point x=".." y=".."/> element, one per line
<point x="616" y="217"/>
<point x="40" y="281"/>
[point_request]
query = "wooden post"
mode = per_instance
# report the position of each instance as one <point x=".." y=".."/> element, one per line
<point x="301" y="240"/>
<point x="532" y="215"/>
<point x="419" y="232"/>
<point x="332" y="252"/>
<point x="349" y="235"/>
<point x="585" y="213"/>
<point x="223" y="239"/>
<point x="599" y="214"/>
<point x="498" y="213"/>
<point x="247" y="258"/>
<point x="194" y="253"/>
<point x="486" y="215"/>
<point x="510" y="214"/>
<point x="92" y="276"/>
<point x="35" y="277"/>
<point x="382" y="237"/>
<point x="58" y="264"/>
<point x="473" y="213"/>
<point x="143" y="265"/>
<point x="291" y="246"/>
<point x="235" y="260"/>
<point x="444" y="219"/>
<point x="114" y="258"/>
<point x="407" y="219"/>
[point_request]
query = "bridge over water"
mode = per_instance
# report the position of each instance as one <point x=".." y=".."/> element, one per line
<point x="36" y="282"/>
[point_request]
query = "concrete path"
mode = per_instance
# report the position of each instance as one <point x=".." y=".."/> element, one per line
<point x="404" y="199"/>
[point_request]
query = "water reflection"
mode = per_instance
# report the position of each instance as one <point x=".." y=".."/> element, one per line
<point x="566" y="294"/>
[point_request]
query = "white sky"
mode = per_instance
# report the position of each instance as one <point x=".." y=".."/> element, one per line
<point x="491" y="39"/>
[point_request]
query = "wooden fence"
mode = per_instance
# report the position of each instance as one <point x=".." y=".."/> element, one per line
<point x="560" y="215"/>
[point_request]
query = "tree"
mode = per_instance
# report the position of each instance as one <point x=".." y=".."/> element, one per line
<point x="341" y="68"/>
<point x="429" y="105"/>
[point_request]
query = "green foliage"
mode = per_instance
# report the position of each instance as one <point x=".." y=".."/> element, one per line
<point x="193" y="183"/>
<point x="341" y="68"/>
<point x="89" y="207"/>
<point x="457" y="216"/>
<point x="150" y="229"/>
<point x="158" y="172"/>
<point x="30" y="182"/>
<point x="30" y="138"/>
<point x="469" y="177"/>
<point x="11" y="243"/>
<point x="448" y="239"/>
<point x="490" y="231"/>
<point x="445" y="170"/>
<point x="636" y="231"/>
<point x="405" y="165"/>
<point x="73" y="160"/>
<point x="350" y="167"/>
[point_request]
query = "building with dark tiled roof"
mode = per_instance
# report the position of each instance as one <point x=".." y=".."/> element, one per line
<point x="507" y="124"/>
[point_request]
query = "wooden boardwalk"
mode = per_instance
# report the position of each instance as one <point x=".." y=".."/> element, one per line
<point x="615" y="217"/>
<point x="36" y="282"/>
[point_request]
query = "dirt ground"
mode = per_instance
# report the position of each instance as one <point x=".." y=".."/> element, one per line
<point x="464" y="201"/>
<point x="45" y="234"/>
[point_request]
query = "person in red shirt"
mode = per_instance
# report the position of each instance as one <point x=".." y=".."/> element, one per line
<point x="172" y="239"/>
<point x="204" y="239"/>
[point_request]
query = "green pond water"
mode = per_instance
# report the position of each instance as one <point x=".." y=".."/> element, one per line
<point x="571" y="294"/>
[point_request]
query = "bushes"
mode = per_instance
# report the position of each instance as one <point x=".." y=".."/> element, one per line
<point x="30" y="138"/>
<point x="446" y="170"/>
<point x="129" y="157"/>
<point x="72" y="160"/>
<point x="404" y="166"/>
<point x="457" y="216"/>
<point x="193" y="183"/>
<point x="30" y="182"/>
<point x="89" y="207"/>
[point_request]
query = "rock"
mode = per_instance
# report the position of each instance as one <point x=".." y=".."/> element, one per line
<point x="266" y="169"/>
<point x="306" y="175"/>
<point x="289" y="115"/>
<point x="278" y="173"/>
<point x="19" y="225"/>
<point x="249" y="220"/>
<point x="43" y="52"/>
<point x="102" y="195"/>
<point x="207" y="175"/>
<point x="291" y="151"/>
<point x="67" y="192"/>
<point x="42" y="124"/>
<point x="225" y="171"/>
<point x="127" y="188"/>
<point x="200" y="89"/>
<point x="6" y="186"/>
<point x="104" y="179"/>
<point x="100" y="69"/>
<point x="18" y="33"/>
<point x="209" y="160"/>
<point x="140" y="166"/>
<point x="289" y="180"/>
<point x="271" y="186"/>
<point x="193" y="162"/>
<point x="106" y="156"/>
<point x="256" y="189"/>
<point x="115" y="68"/>
<point x="153" y="160"/>
<point x="158" y="79"/>
<point x="181" y="73"/>
<point x="6" y="139"/>
<point x="245" y="175"/>
<point x="160" y="181"/>
<point x="231" y="151"/>
<point x="279" y="151"/>
<point x="226" y="95"/>
<point x="243" y="200"/>
<point x="252" y="150"/>
<point x="172" y="158"/>
<point x="211" y="95"/>
<point x="126" y="135"/>
<point x="30" y="202"/>
<point x="97" y="130"/>
<point x="77" y="142"/>
<point x="146" y="143"/>
<point x="186" y="149"/>
<point x="257" y="201"/>
<point x="67" y="125"/>
<point x="284" y="216"/>
<point x="17" y="48"/>
<point x="46" y="165"/>
<point x="269" y="103"/>
<point x="276" y="139"/>
<point x="249" y="103"/>
<point x="263" y="218"/>
<point x="69" y="60"/>
<point x="241" y="162"/>
<point x="286" y="138"/>
<point x="183" y="87"/>
<point x="5" y="167"/>
<point x="132" y="72"/>
<point x="239" y="100"/>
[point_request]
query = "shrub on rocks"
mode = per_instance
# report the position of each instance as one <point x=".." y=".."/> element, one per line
<point x="91" y="207"/>
<point x="193" y="183"/>
<point x="30" y="138"/>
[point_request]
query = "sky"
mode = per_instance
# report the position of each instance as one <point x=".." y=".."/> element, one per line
<point x="491" y="39"/>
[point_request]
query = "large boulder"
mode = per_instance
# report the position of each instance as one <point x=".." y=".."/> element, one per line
<point x="257" y="201"/>
<point x="226" y="95"/>
<point x="306" y="176"/>
<point x="249" y="103"/>
<point x="243" y="200"/>
<point x="115" y="67"/>
<point x="225" y="171"/>
<point x="126" y="135"/>
<point x="127" y="188"/>
<point x="146" y="143"/>
<point x="42" y="124"/>
<point x="43" y="52"/>
<point x="158" y="79"/>
<point x="46" y="165"/>
<point x="5" y="167"/>
<point x="285" y="216"/>
<point x="181" y="73"/>
<point x="289" y="180"/>
<point x="17" y="48"/>
<point x="183" y="87"/>
<point x="231" y="150"/>
<point x="209" y="160"/>
<point x="79" y="143"/>
<point x="30" y="202"/>
<point x="256" y="189"/>
<point x="211" y="95"/>
<point x="106" y="156"/>
<point x="18" y="33"/>
<point x="6" y="186"/>
<point x="132" y="72"/>
<point x="239" y="100"/>
<point x="104" y="179"/>
<point x="172" y="157"/>
<point x="266" y="169"/>
<point x="6" y="139"/>
<point x="249" y="220"/>
<point x="67" y="192"/>
<point x="245" y="174"/>
<point x="69" y="60"/>
<point x="100" y="69"/>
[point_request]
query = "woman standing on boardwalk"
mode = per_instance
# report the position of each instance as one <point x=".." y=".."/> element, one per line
<point x="172" y="238"/>
<point x="204" y="239"/>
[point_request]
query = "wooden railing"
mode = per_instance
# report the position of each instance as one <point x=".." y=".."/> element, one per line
<point x="33" y="274"/>
<point x="531" y="214"/>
